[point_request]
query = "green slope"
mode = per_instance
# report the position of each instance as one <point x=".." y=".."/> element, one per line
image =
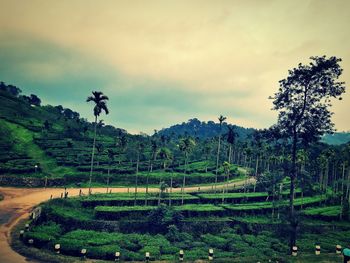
<point x="24" y="143"/>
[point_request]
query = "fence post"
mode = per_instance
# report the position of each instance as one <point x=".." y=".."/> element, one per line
<point x="117" y="256"/>
<point x="147" y="256"/>
<point x="57" y="248"/>
<point x="338" y="249"/>
<point x="21" y="234"/>
<point x="27" y="227"/>
<point x="31" y="241"/>
<point x="83" y="254"/>
<point x="317" y="250"/>
<point x="211" y="254"/>
<point x="295" y="251"/>
<point x="181" y="255"/>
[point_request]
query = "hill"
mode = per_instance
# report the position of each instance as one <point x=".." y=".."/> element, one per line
<point x="204" y="130"/>
<point x="51" y="146"/>
<point x="337" y="138"/>
<point x="210" y="129"/>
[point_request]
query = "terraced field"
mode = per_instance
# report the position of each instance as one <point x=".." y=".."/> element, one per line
<point x="106" y="223"/>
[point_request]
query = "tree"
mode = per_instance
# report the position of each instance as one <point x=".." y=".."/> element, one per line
<point x="152" y="159"/>
<point x="34" y="100"/>
<point x="100" y="101"/>
<point x="303" y="100"/>
<point x="186" y="146"/>
<point x="165" y="155"/>
<point x="227" y="169"/>
<point x="221" y="120"/>
<point x="231" y="139"/>
<point x="140" y="148"/>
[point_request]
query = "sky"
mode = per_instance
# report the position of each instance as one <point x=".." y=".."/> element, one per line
<point x="164" y="62"/>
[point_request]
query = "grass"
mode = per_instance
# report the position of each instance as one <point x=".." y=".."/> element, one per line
<point x="199" y="208"/>
<point x="232" y="195"/>
<point x="328" y="211"/>
<point x="131" y="196"/>
<point x="120" y="209"/>
<point x="25" y="144"/>
<point x="269" y="205"/>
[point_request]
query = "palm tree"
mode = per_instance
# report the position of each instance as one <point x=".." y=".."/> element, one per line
<point x="231" y="139"/>
<point x="100" y="101"/>
<point x="221" y="120"/>
<point x="207" y="151"/>
<point x="186" y="145"/>
<point x="165" y="155"/>
<point x="151" y="161"/>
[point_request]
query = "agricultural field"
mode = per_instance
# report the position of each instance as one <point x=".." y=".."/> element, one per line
<point x="107" y="223"/>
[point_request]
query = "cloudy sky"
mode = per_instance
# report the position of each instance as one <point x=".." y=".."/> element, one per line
<point x="163" y="62"/>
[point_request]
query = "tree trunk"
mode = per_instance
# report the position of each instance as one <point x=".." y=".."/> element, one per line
<point x="184" y="181"/>
<point x="108" y="178"/>
<point x="217" y="164"/>
<point x="171" y="186"/>
<point x="293" y="223"/>
<point x="342" y="191"/>
<point x="92" y="155"/>
<point x="136" y="175"/>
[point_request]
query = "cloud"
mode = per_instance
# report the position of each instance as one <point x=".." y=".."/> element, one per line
<point x="172" y="58"/>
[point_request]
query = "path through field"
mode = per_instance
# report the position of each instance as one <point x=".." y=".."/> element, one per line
<point x="18" y="203"/>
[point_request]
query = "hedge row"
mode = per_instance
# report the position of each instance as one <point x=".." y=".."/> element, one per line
<point x="116" y="212"/>
<point x="328" y="212"/>
<point x="129" y="199"/>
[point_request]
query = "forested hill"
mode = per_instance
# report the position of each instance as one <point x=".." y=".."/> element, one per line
<point x="337" y="138"/>
<point x="201" y="129"/>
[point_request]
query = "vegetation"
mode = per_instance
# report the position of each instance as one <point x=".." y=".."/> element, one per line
<point x="279" y="187"/>
<point x="303" y="102"/>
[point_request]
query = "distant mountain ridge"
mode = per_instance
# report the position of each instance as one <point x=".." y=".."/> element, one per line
<point x="204" y="130"/>
<point x="336" y="138"/>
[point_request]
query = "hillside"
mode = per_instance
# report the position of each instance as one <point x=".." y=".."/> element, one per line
<point x="210" y="129"/>
<point x="337" y="138"/>
<point x="49" y="141"/>
<point x="204" y="130"/>
<point x="51" y="146"/>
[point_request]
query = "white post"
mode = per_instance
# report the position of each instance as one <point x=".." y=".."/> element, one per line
<point x="317" y="250"/>
<point x="57" y="248"/>
<point x="83" y="254"/>
<point x="211" y="254"/>
<point x="338" y="249"/>
<point x="117" y="256"/>
<point x="181" y="255"/>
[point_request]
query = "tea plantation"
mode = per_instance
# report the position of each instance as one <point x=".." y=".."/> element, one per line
<point x="242" y="228"/>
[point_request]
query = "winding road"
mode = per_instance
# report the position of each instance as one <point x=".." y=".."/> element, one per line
<point x="18" y="203"/>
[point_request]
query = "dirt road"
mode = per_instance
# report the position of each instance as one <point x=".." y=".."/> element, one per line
<point x="18" y="203"/>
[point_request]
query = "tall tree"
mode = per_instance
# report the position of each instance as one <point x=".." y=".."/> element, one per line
<point x="186" y="146"/>
<point x="221" y="120"/>
<point x="165" y="155"/>
<point x="303" y="102"/>
<point x="140" y="148"/>
<point x="100" y="101"/>
<point x="231" y="139"/>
